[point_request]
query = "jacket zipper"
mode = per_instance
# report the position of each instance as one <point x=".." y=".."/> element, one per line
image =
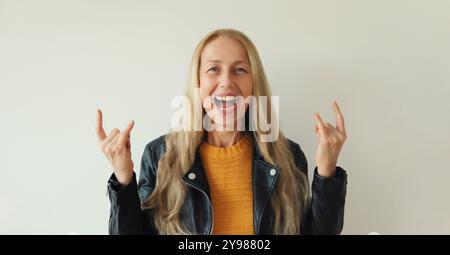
<point x="210" y="204"/>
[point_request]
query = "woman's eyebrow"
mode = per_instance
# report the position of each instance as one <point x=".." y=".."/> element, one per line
<point x="235" y="62"/>
<point x="241" y="62"/>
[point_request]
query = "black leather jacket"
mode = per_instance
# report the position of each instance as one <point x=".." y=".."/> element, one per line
<point x="325" y="216"/>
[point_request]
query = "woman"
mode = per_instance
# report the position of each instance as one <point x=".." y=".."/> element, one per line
<point x="222" y="181"/>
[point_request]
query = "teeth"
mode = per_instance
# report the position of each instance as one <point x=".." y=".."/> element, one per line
<point x="226" y="98"/>
<point x="222" y="101"/>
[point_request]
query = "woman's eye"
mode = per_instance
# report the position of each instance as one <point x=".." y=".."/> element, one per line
<point x="240" y="70"/>
<point x="213" y="69"/>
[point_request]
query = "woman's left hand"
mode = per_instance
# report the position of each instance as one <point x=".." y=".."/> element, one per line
<point x="330" y="140"/>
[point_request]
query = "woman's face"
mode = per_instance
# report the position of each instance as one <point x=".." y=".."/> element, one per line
<point x="225" y="79"/>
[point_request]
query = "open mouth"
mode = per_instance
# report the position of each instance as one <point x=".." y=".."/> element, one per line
<point x="226" y="103"/>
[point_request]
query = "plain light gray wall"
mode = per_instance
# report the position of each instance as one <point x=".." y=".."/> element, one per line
<point x="386" y="62"/>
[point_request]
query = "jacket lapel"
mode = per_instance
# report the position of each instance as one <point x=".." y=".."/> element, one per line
<point x="196" y="176"/>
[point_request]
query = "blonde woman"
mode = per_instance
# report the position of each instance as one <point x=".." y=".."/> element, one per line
<point x="220" y="180"/>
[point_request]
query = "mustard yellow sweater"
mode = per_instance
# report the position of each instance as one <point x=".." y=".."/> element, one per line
<point x="229" y="173"/>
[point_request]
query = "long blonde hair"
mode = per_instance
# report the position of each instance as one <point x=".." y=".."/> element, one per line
<point x="290" y="198"/>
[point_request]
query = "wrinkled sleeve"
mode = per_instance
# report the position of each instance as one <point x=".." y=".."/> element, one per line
<point x="325" y="214"/>
<point x="126" y="214"/>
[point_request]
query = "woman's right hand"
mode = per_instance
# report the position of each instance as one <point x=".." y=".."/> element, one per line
<point x="117" y="149"/>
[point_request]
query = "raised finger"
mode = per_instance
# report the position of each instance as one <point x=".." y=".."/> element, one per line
<point x="99" y="128"/>
<point x="125" y="135"/>
<point x="340" y="124"/>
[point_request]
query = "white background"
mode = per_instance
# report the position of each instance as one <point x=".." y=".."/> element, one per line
<point x="386" y="62"/>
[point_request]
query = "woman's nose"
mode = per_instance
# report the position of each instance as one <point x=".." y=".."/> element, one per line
<point x="226" y="83"/>
<point x="225" y="80"/>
